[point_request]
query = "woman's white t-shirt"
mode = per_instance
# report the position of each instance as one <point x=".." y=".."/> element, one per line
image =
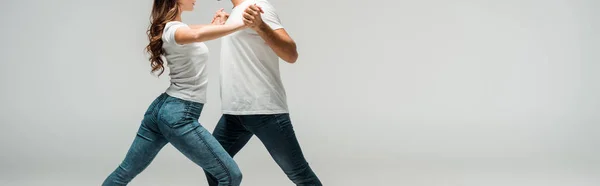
<point x="187" y="66"/>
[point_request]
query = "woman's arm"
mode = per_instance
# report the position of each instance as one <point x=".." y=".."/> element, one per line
<point x="185" y="35"/>
<point x="196" y="26"/>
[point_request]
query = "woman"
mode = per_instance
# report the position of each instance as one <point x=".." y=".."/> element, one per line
<point x="173" y="116"/>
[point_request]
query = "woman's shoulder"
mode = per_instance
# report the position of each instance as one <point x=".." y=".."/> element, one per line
<point x="175" y="23"/>
<point x="168" y="35"/>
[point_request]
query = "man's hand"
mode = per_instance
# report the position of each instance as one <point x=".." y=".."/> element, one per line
<point x="252" y="16"/>
<point x="220" y="17"/>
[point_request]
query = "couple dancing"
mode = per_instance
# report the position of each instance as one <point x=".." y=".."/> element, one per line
<point x="252" y="95"/>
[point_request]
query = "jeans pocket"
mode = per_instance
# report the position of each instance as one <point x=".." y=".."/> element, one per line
<point x="281" y="122"/>
<point x="284" y="123"/>
<point x="175" y="113"/>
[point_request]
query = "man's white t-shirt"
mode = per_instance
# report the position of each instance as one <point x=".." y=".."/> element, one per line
<point x="187" y="66"/>
<point x="250" y="80"/>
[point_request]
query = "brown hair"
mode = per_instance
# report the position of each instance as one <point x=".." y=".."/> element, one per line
<point x="163" y="11"/>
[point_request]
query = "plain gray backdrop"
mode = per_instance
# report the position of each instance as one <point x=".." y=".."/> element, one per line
<point x="385" y="93"/>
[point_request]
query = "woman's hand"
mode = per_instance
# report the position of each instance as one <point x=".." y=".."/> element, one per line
<point x="220" y="17"/>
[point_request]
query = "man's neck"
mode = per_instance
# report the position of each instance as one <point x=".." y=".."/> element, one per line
<point x="236" y="2"/>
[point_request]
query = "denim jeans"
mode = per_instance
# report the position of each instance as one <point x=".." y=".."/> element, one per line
<point x="276" y="133"/>
<point x="173" y="120"/>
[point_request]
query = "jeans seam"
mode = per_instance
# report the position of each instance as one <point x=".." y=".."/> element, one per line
<point x="218" y="159"/>
<point x="159" y="107"/>
<point x="187" y="110"/>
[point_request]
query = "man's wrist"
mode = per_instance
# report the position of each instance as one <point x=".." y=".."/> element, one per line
<point x="262" y="27"/>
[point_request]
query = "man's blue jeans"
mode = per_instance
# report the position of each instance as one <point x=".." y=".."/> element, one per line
<point x="276" y="133"/>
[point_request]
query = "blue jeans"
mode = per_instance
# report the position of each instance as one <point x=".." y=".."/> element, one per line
<point x="170" y="119"/>
<point x="276" y="133"/>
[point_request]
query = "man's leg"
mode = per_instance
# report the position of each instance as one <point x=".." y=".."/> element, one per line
<point x="277" y="134"/>
<point x="232" y="135"/>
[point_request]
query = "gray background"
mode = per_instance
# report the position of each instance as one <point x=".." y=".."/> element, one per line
<point x="419" y="93"/>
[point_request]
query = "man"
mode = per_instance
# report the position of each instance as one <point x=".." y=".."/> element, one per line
<point x="252" y="94"/>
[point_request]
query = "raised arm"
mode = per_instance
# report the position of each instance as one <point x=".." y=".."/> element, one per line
<point x="279" y="40"/>
<point x="270" y="29"/>
<point x="201" y="33"/>
<point x="185" y="35"/>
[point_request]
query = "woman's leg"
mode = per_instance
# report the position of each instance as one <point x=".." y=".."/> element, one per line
<point x="179" y="124"/>
<point x="232" y="135"/>
<point x="147" y="143"/>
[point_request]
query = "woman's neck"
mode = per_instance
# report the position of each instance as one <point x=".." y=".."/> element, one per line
<point x="178" y="18"/>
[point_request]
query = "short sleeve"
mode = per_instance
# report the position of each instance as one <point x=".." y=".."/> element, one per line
<point x="270" y="16"/>
<point x="169" y="32"/>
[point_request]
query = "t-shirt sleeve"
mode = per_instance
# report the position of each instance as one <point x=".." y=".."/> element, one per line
<point x="270" y="16"/>
<point x="169" y="32"/>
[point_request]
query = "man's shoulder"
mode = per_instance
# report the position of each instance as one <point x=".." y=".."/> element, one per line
<point x="264" y="3"/>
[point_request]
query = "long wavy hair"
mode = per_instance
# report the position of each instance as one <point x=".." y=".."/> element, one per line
<point x="163" y="11"/>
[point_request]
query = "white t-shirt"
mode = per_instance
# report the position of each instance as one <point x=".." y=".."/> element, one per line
<point x="250" y="80"/>
<point x="187" y="66"/>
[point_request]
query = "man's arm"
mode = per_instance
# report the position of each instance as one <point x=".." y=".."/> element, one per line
<point x="279" y="40"/>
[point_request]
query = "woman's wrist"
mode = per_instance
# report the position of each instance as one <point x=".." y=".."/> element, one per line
<point x="242" y="26"/>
